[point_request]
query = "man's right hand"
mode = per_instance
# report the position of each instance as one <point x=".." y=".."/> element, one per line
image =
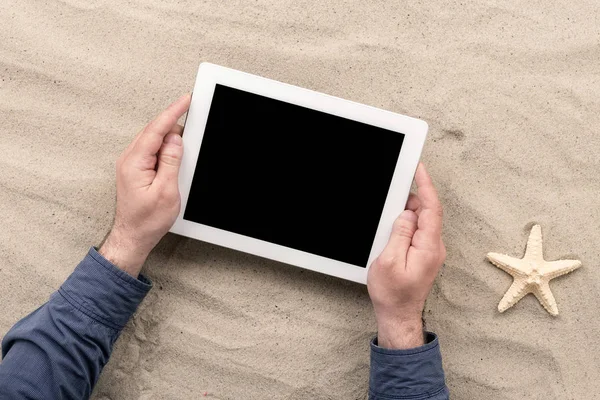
<point x="148" y="199"/>
<point x="401" y="278"/>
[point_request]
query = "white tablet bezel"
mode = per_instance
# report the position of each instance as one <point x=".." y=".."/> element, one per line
<point x="414" y="131"/>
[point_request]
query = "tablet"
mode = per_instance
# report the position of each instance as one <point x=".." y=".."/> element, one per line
<point x="293" y="175"/>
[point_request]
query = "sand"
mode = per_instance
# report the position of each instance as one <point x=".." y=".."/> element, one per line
<point x="511" y="90"/>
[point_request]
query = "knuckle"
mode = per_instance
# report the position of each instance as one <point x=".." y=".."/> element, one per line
<point x="430" y="258"/>
<point x="121" y="168"/>
<point x="168" y="194"/>
<point x="413" y="280"/>
<point x="386" y="260"/>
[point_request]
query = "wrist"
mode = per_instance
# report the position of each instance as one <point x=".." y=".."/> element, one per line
<point x="123" y="253"/>
<point x="400" y="334"/>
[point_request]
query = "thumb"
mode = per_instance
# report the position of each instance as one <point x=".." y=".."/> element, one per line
<point x="403" y="230"/>
<point x="169" y="159"/>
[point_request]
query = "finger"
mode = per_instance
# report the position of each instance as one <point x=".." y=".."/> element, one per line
<point x="152" y="137"/>
<point x="430" y="217"/>
<point x="177" y="129"/>
<point x="169" y="161"/>
<point x="413" y="204"/>
<point x="402" y="233"/>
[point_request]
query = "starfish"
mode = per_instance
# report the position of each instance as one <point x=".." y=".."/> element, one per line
<point x="532" y="273"/>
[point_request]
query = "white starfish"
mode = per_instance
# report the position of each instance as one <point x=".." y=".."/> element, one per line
<point x="532" y="273"/>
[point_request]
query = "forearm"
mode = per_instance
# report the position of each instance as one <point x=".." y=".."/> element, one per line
<point x="414" y="373"/>
<point x="59" y="350"/>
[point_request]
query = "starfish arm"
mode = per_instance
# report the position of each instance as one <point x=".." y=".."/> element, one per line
<point x="507" y="264"/>
<point x="554" y="269"/>
<point x="534" y="250"/>
<point x="516" y="292"/>
<point x="546" y="298"/>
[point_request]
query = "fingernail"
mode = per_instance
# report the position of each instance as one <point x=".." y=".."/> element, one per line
<point x="174" y="138"/>
<point x="408" y="215"/>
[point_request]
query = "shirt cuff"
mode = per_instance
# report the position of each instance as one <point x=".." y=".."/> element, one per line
<point x="104" y="292"/>
<point x="407" y="374"/>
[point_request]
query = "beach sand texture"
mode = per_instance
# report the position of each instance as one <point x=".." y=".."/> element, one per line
<point x="511" y="90"/>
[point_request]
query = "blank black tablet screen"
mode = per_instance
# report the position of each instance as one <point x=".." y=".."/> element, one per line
<point x="293" y="176"/>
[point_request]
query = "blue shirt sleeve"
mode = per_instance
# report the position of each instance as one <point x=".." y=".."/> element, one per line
<point x="59" y="350"/>
<point x="414" y="374"/>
